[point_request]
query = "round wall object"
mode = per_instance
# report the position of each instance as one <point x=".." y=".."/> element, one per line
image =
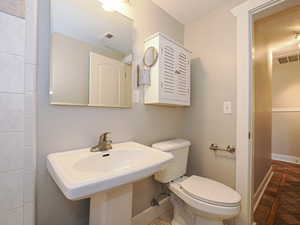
<point x="150" y="57"/>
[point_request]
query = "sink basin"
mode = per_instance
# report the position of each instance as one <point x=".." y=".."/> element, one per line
<point x="111" y="162"/>
<point x="81" y="173"/>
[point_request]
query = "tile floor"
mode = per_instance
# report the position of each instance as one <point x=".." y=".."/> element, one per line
<point x="280" y="204"/>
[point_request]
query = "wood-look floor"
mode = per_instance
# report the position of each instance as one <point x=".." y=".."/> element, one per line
<point x="160" y="222"/>
<point x="280" y="204"/>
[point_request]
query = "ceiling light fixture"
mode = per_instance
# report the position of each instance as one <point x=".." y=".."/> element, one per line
<point x="108" y="7"/>
<point x="113" y="5"/>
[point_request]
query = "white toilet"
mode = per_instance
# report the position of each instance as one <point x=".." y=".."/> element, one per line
<point x="196" y="200"/>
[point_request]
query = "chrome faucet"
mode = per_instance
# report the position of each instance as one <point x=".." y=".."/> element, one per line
<point x="103" y="144"/>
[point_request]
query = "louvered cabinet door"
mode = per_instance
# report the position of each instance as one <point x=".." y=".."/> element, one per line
<point x="170" y="77"/>
<point x="182" y="73"/>
<point x="167" y="70"/>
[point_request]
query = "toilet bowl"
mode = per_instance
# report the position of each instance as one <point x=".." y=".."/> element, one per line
<point x="196" y="200"/>
<point x="214" y="203"/>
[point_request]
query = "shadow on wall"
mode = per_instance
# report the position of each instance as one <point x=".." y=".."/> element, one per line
<point x="206" y="124"/>
<point x="198" y="73"/>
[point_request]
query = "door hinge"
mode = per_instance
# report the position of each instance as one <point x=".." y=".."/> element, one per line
<point x="249" y="135"/>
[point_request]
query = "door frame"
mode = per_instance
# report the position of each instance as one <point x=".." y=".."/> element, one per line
<point x="244" y="154"/>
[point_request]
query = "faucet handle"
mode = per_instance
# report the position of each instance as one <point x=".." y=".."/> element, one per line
<point x="103" y="137"/>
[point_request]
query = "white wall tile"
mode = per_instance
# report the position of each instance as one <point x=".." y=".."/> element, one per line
<point x="29" y="105"/>
<point x="11" y="190"/>
<point x="12" y="34"/>
<point x="12" y="217"/>
<point x="31" y="34"/>
<point x="28" y="187"/>
<point x="29" y="131"/>
<point x="12" y="73"/>
<point x="29" y="159"/>
<point x="30" y="77"/>
<point x="15" y="217"/>
<point x="11" y="151"/>
<point x="11" y="112"/>
<point x="29" y="214"/>
<point x="17" y="116"/>
<point x="30" y="111"/>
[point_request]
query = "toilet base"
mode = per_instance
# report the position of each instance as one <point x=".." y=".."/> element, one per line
<point x="183" y="215"/>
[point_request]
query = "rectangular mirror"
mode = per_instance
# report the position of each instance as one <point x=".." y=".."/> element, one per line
<point x="91" y="55"/>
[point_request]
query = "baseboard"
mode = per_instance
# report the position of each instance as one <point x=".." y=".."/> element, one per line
<point x="150" y="214"/>
<point x="286" y="158"/>
<point x="262" y="187"/>
<point x="286" y="109"/>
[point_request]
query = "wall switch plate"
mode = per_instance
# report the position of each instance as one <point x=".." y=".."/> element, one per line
<point x="136" y="96"/>
<point x="227" y="107"/>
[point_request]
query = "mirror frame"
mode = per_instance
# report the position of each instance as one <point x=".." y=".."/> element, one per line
<point x="155" y="56"/>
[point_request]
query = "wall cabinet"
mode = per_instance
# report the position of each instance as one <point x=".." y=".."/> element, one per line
<point x="171" y="75"/>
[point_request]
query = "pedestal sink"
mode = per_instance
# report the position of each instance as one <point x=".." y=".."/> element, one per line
<point x="106" y="178"/>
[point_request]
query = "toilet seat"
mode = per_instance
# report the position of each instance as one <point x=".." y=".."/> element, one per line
<point x="210" y="191"/>
<point x="218" y="211"/>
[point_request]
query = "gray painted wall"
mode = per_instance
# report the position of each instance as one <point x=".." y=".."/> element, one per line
<point x="262" y="107"/>
<point x="286" y="125"/>
<point x="286" y="84"/>
<point x="286" y="133"/>
<point x="213" y="42"/>
<point x="67" y="128"/>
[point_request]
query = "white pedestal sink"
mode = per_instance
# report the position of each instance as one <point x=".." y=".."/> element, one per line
<point x="106" y="178"/>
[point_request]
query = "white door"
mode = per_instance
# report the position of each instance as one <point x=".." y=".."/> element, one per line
<point x="126" y="86"/>
<point x="105" y="81"/>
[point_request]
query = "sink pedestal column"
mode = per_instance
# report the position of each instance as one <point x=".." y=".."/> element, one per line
<point x="112" y="207"/>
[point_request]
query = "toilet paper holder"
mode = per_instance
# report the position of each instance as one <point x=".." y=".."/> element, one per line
<point x="229" y="148"/>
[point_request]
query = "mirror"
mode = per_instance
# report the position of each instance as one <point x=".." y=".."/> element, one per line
<point x="91" y="55"/>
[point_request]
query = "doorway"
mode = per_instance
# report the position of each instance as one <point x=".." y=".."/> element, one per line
<point x="276" y="88"/>
<point x="246" y="14"/>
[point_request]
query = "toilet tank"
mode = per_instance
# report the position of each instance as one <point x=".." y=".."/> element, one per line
<point x="177" y="167"/>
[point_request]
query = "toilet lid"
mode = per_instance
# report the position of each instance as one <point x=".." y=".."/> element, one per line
<point x="210" y="191"/>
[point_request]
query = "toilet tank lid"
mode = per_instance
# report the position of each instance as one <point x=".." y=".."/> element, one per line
<point x="170" y="145"/>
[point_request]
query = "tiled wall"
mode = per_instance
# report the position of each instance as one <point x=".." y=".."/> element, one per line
<point x="17" y="116"/>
